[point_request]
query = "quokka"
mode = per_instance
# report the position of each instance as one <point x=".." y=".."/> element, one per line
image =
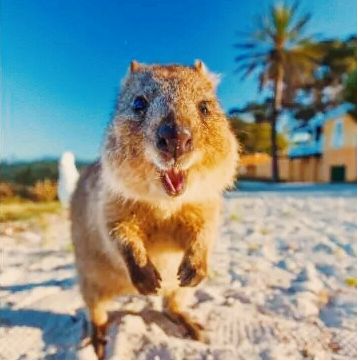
<point x="144" y="217"/>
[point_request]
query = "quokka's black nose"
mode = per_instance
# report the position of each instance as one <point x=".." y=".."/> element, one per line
<point x="173" y="140"/>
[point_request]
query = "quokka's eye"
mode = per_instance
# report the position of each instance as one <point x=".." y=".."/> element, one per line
<point x="204" y="107"/>
<point x="140" y="104"/>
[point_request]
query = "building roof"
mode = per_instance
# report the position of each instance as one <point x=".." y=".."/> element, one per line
<point x="306" y="140"/>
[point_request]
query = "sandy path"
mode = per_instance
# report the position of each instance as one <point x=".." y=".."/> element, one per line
<point x="277" y="290"/>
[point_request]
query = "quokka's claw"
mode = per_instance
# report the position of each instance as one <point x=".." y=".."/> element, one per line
<point x="189" y="275"/>
<point x="146" y="279"/>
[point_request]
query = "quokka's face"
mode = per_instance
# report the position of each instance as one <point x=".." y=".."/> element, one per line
<point x="169" y="131"/>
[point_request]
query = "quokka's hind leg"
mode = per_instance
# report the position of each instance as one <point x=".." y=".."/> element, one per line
<point x="99" y="325"/>
<point x="98" y="314"/>
<point x="175" y="305"/>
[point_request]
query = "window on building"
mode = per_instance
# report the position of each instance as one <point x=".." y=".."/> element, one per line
<point x="338" y="134"/>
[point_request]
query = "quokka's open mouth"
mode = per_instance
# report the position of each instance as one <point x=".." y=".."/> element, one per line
<point x="173" y="181"/>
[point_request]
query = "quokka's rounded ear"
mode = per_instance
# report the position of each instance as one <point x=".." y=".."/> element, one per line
<point x="199" y="65"/>
<point x="214" y="78"/>
<point x="135" y="66"/>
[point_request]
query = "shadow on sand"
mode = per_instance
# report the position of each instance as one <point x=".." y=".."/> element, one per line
<point x="63" y="335"/>
<point x="64" y="284"/>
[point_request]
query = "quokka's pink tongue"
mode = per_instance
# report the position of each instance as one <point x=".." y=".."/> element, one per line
<point x="173" y="180"/>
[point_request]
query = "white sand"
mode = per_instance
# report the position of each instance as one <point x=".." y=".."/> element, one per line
<point x="277" y="290"/>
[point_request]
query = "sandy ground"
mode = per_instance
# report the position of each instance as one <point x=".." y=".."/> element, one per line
<point x="281" y="287"/>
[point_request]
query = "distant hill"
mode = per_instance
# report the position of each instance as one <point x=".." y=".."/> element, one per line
<point x="28" y="172"/>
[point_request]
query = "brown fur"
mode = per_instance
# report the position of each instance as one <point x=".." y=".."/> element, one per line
<point x="129" y="234"/>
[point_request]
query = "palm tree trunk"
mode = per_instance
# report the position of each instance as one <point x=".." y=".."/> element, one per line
<point x="275" y="168"/>
<point x="278" y="92"/>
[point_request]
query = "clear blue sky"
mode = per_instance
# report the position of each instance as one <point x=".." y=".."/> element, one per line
<point x="62" y="60"/>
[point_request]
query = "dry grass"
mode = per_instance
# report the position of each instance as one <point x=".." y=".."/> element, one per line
<point x="15" y="210"/>
<point x="44" y="191"/>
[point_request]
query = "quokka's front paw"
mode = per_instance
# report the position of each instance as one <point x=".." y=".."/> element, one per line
<point x="146" y="279"/>
<point x="191" y="273"/>
<point x="144" y="276"/>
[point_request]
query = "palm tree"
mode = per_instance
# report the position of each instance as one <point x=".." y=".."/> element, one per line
<point x="281" y="56"/>
<point x="350" y="92"/>
<point x="334" y="82"/>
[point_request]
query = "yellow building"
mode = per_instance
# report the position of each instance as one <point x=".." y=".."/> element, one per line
<point x="324" y="150"/>
<point x="339" y="156"/>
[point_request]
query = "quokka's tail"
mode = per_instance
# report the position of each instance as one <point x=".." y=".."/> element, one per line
<point x="68" y="177"/>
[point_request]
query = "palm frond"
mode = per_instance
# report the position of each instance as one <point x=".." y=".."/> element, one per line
<point x="252" y="56"/>
<point x="248" y="45"/>
<point x="242" y="68"/>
